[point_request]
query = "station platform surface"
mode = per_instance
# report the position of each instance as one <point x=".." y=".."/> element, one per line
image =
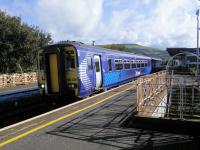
<point x="17" y="88"/>
<point x="89" y="124"/>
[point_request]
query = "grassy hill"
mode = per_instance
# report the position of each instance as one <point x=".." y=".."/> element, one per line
<point x="139" y="49"/>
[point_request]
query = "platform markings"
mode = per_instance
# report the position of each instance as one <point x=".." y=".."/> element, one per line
<point x="26" y="127"/>
<point x="58" y="109"/>
<point x="59" y="119"/>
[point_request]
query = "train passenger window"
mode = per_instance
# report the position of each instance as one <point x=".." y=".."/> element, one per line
<point x="110" y="64"/>
<point x="97" y="66"/>
<point x="70" y="61"/>
<point x="118" y="64"/>
<point x="89" y="63"/>
<point x="138" y="65"/>
<point x="142" y="64"/>
<point x="124" y="63"/>
<point x="127" y="65"/>
<point x="133" y="65"/>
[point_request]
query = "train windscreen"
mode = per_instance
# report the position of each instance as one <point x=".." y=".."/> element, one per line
<point x="70" y="61"/>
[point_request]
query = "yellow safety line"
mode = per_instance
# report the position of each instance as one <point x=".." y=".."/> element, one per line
<point x="56" y="120"/>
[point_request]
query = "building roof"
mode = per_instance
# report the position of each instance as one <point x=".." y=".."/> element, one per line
<point x="174" y="51"/>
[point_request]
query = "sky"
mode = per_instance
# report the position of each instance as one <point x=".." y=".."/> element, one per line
<point x="155" y="23"/>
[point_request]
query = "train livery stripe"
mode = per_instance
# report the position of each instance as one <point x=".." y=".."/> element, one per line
<point x="60" y="119"/>
<point x="83" y="76"/>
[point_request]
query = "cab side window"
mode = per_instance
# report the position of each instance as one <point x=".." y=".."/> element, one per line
<point x="70" y="61"/>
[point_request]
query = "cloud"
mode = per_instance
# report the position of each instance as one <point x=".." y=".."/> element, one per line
<point x="166" y="23"/>
<point x="70" y="19"/>
<point x="159" y="23"/>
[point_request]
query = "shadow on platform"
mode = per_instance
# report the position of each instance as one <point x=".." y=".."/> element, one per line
<point x="101" y="126"/>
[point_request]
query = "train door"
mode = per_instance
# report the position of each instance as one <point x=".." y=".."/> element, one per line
<point x="71" y="70"/>
<point x="98" y="71"/>
<point x="53" y="70"/>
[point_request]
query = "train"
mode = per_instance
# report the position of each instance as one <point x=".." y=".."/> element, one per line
<point x="74" y="69"/>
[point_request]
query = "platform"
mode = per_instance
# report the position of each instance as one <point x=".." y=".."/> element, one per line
<point x="13" y="94"/>
<point x="17" y="88"/>
<point x="93" y="123"/>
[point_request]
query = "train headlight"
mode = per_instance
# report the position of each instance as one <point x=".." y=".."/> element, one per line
<point x="42" y="86"/>
<point x="71" y="86"/>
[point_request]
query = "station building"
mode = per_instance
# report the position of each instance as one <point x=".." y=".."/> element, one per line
<point x="183" y="57"/>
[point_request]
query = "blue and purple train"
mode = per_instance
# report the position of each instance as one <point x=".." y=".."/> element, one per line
<point x="75" y="69"/>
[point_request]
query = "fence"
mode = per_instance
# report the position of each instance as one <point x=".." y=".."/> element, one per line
<point x="183" y="97"/>
<point x="165" y="94"/>
<point x="151" y="89"/>
<point x="11" y="80"/>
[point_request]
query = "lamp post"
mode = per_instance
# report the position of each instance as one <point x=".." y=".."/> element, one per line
<point x="197" y="51"/>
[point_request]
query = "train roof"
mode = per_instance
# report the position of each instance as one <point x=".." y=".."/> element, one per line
<point x="157" y="59"/>
<point x="80" y="44"/>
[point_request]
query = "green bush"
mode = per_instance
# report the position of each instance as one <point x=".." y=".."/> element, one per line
<point x="19" y="44"/>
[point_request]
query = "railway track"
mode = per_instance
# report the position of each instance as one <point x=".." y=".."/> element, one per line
<point x="21" y="113"/>
<point x="31" y="106"/>
<point x="13" y="99"/>
<point x="17" y="105"/>
<point x="36" y="105"/>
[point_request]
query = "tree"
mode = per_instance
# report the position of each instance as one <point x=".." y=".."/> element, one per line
<point x="19" y="44"/>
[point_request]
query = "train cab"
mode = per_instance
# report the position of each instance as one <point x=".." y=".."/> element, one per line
<point x="57" y="70"/>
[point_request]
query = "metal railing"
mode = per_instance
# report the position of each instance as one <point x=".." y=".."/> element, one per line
<point x="166" y="94"/>
<point x="149" y="89"/>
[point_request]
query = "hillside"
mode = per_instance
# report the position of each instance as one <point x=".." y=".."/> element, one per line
<point x="139" y="49"/>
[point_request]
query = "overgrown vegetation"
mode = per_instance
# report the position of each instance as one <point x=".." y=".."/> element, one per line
<point x="19" y="44"/>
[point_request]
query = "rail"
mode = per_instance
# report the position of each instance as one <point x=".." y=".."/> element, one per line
<point x="149" y="89"/>
<point x="11" y="80"/>
<point x="168" y="95"/>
